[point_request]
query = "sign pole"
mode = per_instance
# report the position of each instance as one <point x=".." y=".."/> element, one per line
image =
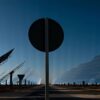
<point x="46" y="60"/>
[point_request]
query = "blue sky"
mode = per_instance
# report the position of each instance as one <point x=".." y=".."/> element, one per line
<point x="80" y="20"/>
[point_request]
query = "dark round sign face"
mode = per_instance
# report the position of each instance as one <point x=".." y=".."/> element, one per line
<point x="37" y="34"/>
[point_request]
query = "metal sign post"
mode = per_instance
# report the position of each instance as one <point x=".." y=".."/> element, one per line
<point x="46" y="60"/>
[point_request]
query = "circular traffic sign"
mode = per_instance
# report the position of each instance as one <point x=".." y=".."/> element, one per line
<point x="37" y="34"/>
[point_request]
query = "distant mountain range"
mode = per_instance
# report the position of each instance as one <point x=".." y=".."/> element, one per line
<point x="89" y="72"/>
